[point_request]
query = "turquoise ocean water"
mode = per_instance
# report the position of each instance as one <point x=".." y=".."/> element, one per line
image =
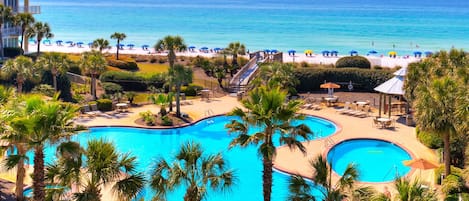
<point x="342" y="25"/>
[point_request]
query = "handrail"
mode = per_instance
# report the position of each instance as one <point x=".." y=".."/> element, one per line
<point x="243" y="70"/>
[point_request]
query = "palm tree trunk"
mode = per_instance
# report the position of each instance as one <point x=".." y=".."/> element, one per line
<point x="267" y="178"/>
<point x="22" y="38"/>
<point x="1" y="43"/>
<point x="171" y="59"/>
<point x="447" y="156"/>
<point x="235" y="60"/>
<point x="20" y="174"/>
<point x="178" y="105"/>
<point x="93" y="86"/>
<point x="20" y="85"/>
<point x="38" y="48"/>
<point x="39" y="193"/>
<point x="54" y="77"/>
<point x="118" y="47"/>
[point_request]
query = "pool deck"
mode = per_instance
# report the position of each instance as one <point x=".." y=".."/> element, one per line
<point x="293" y="161"/>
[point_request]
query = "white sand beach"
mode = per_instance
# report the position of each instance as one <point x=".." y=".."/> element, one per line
<point x="382" y="60"/>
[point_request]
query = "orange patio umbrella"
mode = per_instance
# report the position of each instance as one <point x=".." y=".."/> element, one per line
<point x="330" y="85"/>
<point x="420" y="164"/>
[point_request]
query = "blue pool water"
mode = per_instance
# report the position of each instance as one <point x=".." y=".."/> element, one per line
<point x="147" y="144"/>
<point x="376" y="160"/>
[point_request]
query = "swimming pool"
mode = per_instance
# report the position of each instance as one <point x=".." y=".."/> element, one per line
<point x="376" y="160"/>
<point x="147" y="144"/>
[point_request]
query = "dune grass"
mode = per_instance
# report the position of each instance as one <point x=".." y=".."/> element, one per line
<point x="153" y="68"/>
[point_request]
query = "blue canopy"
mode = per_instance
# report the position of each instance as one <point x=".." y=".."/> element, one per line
<point x="273" y="51"/>
<point x="70" y="42"/>
<point x="145" y="46"/>
<point x="204" y="48"/>
<point x="291" y="51"/>
<point x="80" y="43"/>
<point x="191" y="47"/>
<point x="334" y="51"/>
<point x="46" y="41"/>
<point x="121" y="45"/>
<point x="325" y="52"/>
<point x="428" y="52"/>
<point x="353" y="52"/>
<point x="59" y="41"/>
<point x="417" y="52"/>
<point x="130" y="45"/>
<point x="372" y="52"/>
<point x="217" y="49"/>
<point x="267" y="50"/>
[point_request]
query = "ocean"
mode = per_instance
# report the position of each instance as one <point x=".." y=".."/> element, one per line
<point x="344" y="25"/>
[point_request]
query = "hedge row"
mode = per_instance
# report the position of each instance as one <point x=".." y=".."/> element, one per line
<point x="362" y="79"/>
<point x="124" y="65"/>
<point x="353" y="61"/>
<point x="133" y="81"/>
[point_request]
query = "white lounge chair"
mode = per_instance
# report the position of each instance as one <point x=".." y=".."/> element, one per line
<point x="344" y="109"/>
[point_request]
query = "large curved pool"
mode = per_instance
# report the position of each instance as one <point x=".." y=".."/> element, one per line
<point x="376" y="160"/>
<point x="147" y="144"/>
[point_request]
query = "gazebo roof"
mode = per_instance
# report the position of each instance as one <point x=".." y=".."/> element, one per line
<point x="393" y="86"/>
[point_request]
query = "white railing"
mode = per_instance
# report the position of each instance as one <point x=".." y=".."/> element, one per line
<point x="31" y="9"/>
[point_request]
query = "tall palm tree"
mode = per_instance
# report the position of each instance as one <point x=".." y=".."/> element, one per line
<point x="101" y="44"/>
<point x="6" y="15"/>
<point x="267" y="108"/>
<point x="15" y="133"/>
<point x="171" y="44"/>
<point x="24" y="20"/>
<point x="46" y="123"/>
<point x="434" y="88"/>
<point x="56" y="62"/>
<point x="235" y="48"/>
<point x="23" y="68"/>
<point x="104" y="165"/>
<point x="180" y="76"/>
<point x="39" y="30"/>
<point x="193" y="170"/>
<point x="410" y="191"/>
<point x="119" y="37"/>
<point x="300" y="189"/>
<point x="93" y="63"/>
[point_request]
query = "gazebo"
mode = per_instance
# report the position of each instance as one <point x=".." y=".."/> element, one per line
<point x="392" y="87"/>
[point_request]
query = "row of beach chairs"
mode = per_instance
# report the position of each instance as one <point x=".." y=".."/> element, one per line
<point x="355" y="110"/>
<point x="310" y="104"/>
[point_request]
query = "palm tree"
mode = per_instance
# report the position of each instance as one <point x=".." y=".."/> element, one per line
<point x="180" y="75"/>
<point x="162" y="100"/>
<point x="23" y="68"/>
<point x="322" y="176"/>
<point x="104" y="165"/>
<point x="93" y="63"/>
<point x="15" y="133"/>
<point x="193" y="170"/>
<point x="235" y="48"/>
<point x="171" y="44"/>
<point x="101" y="44"/>
<point x="276" y="75"/>
<point x="56" y="62"/>
<point x="39" y="30"/>
<point x="119" y="37"/>
<point x="410" y="191"/>
<point x="24" y="20"/>
<point x="5" y="16"/>
<point x="433" y="87"/>
<point x="267" y="108"/>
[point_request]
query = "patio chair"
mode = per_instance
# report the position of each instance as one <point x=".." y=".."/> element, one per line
<point x="86" y="110"/>
<point x="364" y="112"/>
<point x="357" y="111"/>
<point x="389" y="124"/>
<point x="376" y="123"/>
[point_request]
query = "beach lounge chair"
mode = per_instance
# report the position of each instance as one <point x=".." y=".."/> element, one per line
<point x="363" y="112"/>
<point x="86" y="110"/>
<point x="344" y="109"/>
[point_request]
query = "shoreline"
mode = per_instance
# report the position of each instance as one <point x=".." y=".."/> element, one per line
<point x="383" y="61"/>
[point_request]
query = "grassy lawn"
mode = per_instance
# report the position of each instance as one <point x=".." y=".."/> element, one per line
<point x="153" y="68"/>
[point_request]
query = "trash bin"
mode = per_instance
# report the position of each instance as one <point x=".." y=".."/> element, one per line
<point x="240" y="95"/>
<point x="409" y="120"/>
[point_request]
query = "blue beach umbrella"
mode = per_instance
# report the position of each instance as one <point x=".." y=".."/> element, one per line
<point x="353" y="52"/>
<point x="79" y="44"/>
<point x="273" y="51"/>
<point x="145" y="47"/>
<point x="59" y="42"/>
<point x="291" y="52"/>
<point x="69" y="42"/>
<point x="372" y="52"/>
<point x="325" y="53"/>
<point x="267" y="51"/>
<point x="121" y="45"/>
<point x="334" y="53"/>
<point x="130" y="45"/>
<point x="204" y="48"/>
<point x="90" y="44"/>
<point x="417" y="54"/>
<point x="428" y="53"/>
<point x="191" y="47"/>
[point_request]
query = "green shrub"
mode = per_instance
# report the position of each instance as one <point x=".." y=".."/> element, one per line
<point x="124" y="65"/>
<point x="362" y="79"/>
<point x="441" y="170"/>
<point x="148" y="118"/>
<point x="75" y="68"/>
<point x="166" y="121"/>
<point x="431" y="140"/>
<point x="353" y="62"/>
<point x="44" y="89"/>
<point x="111" y="88"/>
<point x="12" y="51"/>
<point x="452" y="184"/>
<point x="104" y="104"/>
<point x="133" y="81"/>
<point x="191" y="89"/>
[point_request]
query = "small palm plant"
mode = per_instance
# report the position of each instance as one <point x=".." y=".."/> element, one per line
<point x="162" y="100"/>
<point x="194" y="170"/>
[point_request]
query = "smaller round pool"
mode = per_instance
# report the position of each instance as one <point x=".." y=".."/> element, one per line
<point x="376" y="160"/>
